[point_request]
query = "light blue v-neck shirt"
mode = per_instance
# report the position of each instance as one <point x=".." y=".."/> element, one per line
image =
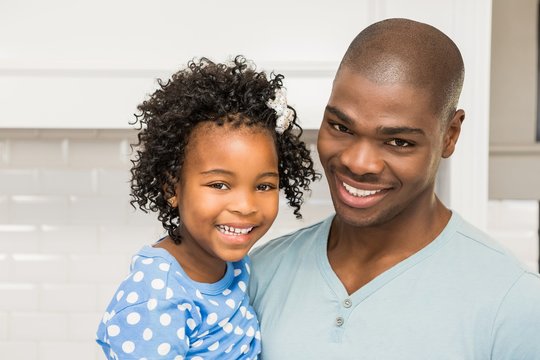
<point x="460" y="297"/>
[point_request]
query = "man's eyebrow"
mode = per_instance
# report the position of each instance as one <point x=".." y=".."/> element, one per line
<point x="396" y="130"/>
<point x="341" y="115"/>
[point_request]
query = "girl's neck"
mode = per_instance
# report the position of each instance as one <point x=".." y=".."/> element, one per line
<point x="203" y="271"/>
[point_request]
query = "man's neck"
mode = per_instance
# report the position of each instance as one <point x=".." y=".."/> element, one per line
<point x="359" y="254"/>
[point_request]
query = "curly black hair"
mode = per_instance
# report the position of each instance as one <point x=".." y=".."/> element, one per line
<point x="222" y="93"/>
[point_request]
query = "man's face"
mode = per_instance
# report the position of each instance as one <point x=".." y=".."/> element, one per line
<point x="380" y="146"/>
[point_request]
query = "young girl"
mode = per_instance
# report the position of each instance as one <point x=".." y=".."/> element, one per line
<point x="216" y="144"/>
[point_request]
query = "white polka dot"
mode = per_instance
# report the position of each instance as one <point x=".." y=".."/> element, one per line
<point x="164" y="267"/>
<point x="229" y="349"/>
<point x="181" y="333"/>
<point x="197" y="343"/>
<point x="228" y="328"/>
<point x="248" y="269"/>
<point x="230" y="303"/>
<point x="237" y="272"/>
<point x="165" y="319"/>
<point x="223" y="322"/>
<point x="128" y="347"/>
<point x="148" y="261"/>
<point x="211" y="319"/>
<point x="158" y="284"/>
<point x="238" y="331"/>
<point x="226" y="292"/>
<point x="197" y="358"/>
<point x="132" y="297"/>
<point x="244" y="349"/>
<point x="169" y="294"/>
<point x="214" y="346"/>
<point x="243" y="310"/>
<point x="250" y="331"/>
<point x="249" y="315"/>
<point x="242" y="286"/>
<point x="152" y="303"/>
<point x="198" y="294"/>
<point x="184" y="307"/>
<point x="139" y="275"/>
<point x="258" y="335"/>
<point x="119" y="295"/>
<point x="147" y="334"/>
<point x="133" y="318"/>
<point x="203" y="334"/>
<point x="163" y="349"/>
<point x="113" y="330"/>
<point x="106" y="317"/>
<point x="191" y="323"/>
<point x="215" y="303"/>
<point x="178" y="357"/>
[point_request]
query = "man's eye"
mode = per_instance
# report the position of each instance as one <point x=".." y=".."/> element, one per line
<point x="340" y="128"/>
<point x="400" y="143"/>
<point x="219" y="186"/>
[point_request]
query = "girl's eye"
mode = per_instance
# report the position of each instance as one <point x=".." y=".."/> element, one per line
<point x="266" y="187"/>
<point x="399" y="143"/>
<point x="219" y="186"/>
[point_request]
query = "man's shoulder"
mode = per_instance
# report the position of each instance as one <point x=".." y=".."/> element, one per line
<point x="485" y="255"/>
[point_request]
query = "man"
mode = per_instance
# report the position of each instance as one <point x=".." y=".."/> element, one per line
<point x="394" y="274"/>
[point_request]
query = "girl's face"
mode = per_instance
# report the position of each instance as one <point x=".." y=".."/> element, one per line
<point x="228" y="192"/>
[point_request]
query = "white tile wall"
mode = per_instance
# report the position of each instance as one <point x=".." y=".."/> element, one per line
<point x="67" y="233"/>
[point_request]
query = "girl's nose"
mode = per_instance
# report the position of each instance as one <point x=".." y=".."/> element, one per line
<point x="244" y="203"/>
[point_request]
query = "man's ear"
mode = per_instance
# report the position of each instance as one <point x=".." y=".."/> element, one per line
<point x="451" y="135"/>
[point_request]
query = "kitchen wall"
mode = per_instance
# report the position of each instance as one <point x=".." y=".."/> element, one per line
<point x="67" y="233"/>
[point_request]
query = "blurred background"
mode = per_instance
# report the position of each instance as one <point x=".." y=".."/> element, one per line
<point x="73" y="72"/>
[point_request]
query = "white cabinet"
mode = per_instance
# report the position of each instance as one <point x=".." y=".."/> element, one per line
<point x="87" y="64"/>
<point x="75" y="64"/>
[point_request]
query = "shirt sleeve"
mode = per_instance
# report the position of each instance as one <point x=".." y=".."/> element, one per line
<point x="152" y="329"/>
<point x="516" y="332"/>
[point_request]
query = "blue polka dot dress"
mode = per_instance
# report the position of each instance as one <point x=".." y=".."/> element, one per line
<point x="158" y="312"/>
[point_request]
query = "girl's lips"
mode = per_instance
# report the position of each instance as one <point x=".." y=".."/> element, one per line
<point x="236" y="234"/>
<point x="234" y="230"/>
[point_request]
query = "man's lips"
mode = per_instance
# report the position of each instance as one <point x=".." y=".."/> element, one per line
<point x="359" y="192"/>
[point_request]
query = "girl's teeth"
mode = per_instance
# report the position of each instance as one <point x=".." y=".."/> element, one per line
<point x="358" y="192"/>
<point x="229" y="230"/>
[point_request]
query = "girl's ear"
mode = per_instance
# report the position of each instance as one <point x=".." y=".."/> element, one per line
<point x="170" y="194"/>
<point x="452" y="132"/>
<point x="172" y="201"/>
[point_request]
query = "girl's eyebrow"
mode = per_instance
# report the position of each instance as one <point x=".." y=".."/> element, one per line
<point x="230" y="173"/>
<point x="217" y="172"/>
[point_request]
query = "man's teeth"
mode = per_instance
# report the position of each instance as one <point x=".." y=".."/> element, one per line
<point x="229" y="230"/>
<point x="358" y="192"/>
